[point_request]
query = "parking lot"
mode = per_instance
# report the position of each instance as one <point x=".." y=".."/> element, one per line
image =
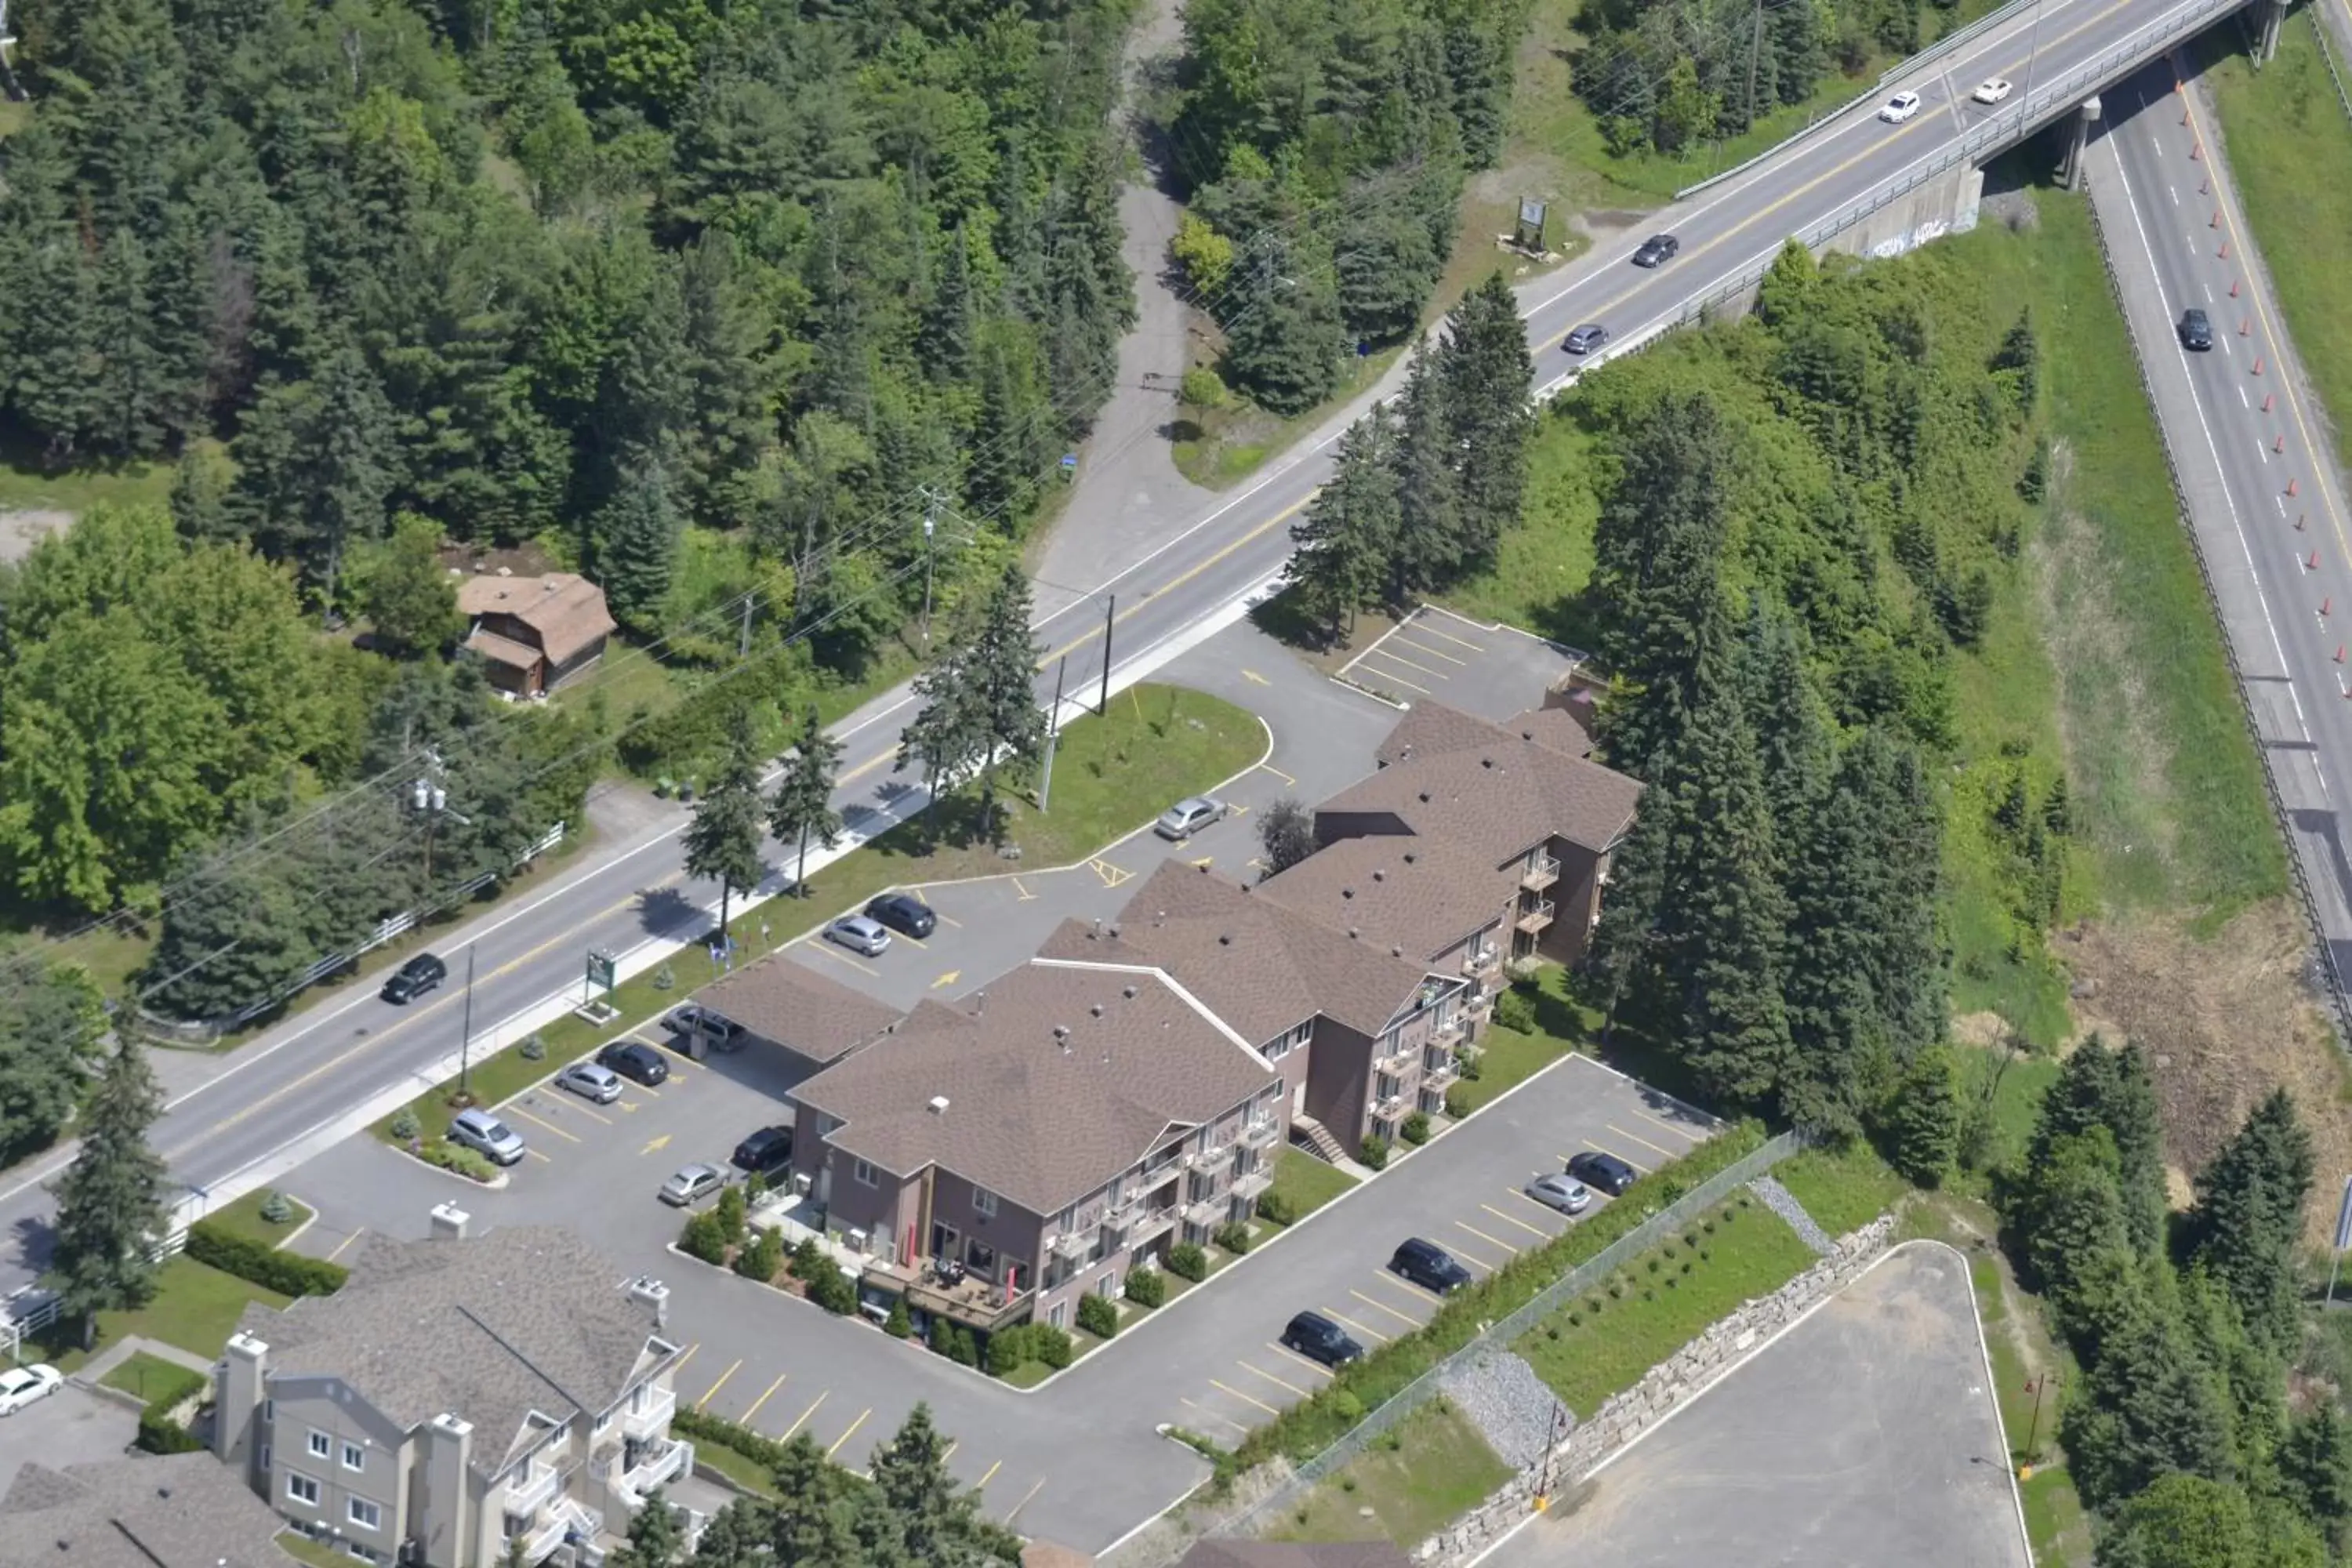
<point x="1493" y="671"/>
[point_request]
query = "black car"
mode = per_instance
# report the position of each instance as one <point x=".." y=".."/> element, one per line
<point x="414" y="978"/>
<point x="1317" y="1338"/>
<point x="904" y="913"/>
<point x="765" y="1153"/>
<point x="1657" y="250"/>
<point x="634" y="1059"/>
<point x="1586" y="338"/>
<point x="1606" y="1172"/>
<point x="2196" y="330"/>
<point x="1429" y="1266"/>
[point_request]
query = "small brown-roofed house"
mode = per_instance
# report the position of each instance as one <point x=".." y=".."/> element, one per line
<point x="795" y="1009"/>
<point x="1002" y="1158"/>
<point x="1229" y="1552"/>
<point x="534" y="633"/>
<point x="184" y="1511"/>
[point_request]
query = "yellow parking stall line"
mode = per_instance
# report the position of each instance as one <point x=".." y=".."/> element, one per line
<point x="1644" y="1142"/>
<point x="952" y="921"/>
<point x="1396" y="680"/>
<point x="346" y="1242"/>
<point x="1531" y="1202"/>
<point x="949" y="1453"/>
<point x="1434" y="632"/>
<point x="1463" y="1254"/>
<point x="1014" y="1511"/>
<point x="541" y="1121"/>
<point x="846" y="1436"/>
<point x="989" y="1477"/>
<point x="818" y="944"/>
<point x="1637" y="1165"/>
<point x="717" y="1386"/>
<point x="537" y="1156"/>
<point x="1678" y="1130"/>
<point x="1405" y="1318"/>
<point x="1434" y="653"/>
<point x="1245" y="1398"/>
<point x="1019" y="888"/>
<point x="1399" y="658"/>
<point x="1211" y="1414"/>
<point x="1489" y="1240"/>
<point x="1277" y="1382"/>
<point x="796" y="1426"/>
<point x="641" y="1088"/>
<point x="1417" y="1292"/>
<point x="683" y="1360"/>
<point x="745" y="1419"/>
<point x="591" y="1115"/>
<point x="1333" y="1313"/>
<point x="1316" y="1367"/>
<point x="1277" y="773"/>
<point x="1514" y="1219"/>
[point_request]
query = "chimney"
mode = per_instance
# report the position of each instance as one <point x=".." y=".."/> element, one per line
<point x="439" y="1509"/>
<point x="450" y="1223"/>
<point x="240" y="1381"/>
<point x="938" y="1105"/>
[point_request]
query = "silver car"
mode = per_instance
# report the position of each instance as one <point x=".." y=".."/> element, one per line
<point x="859" y="933"/>
<point x="1565" y="1193"/>
<point x="486" y="1135"/>
<point x="1188" y="817"/>
<point x="597" y="1085"/>
<point x="692" y="1184"/>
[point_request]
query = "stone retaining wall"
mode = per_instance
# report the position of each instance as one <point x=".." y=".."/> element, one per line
<point x="1673" y="1383"/>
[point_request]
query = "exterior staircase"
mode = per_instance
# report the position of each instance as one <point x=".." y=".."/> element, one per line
<point x="1317" y="1140"/>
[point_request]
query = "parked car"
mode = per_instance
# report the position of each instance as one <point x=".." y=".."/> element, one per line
<point x="694" y="1018"/>
<point x="1318" y="1338"/>
<point x="859" y="933"/>
<point x="1992" y="90"/>
<point x="413" y="979"/>
<point x="1563" y="1192"/>
<point x="635" y="1059"/>
<point x="486" y="1135"/>
<point x="692" y="1184"/>
<point x="1657" y="250"/>
<point x="598" y="1085"/>
<point x="1188" y="817"/>
<point x="1900" y="107"/>
<point x="1607" y="1171"/>
<point x="2196" y="330"/>
<point x="1586" y="338"/>
<point x="1429" y="1266"/>
<point x="23" y="1385"/>
<point x="904" y="913"/>
<point x="764" y="1153"/>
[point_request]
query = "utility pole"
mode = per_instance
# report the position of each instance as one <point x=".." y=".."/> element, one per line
<point x="931" y="500"/>
<point x="466" y="1032"/>
<point x="427" y="795"/>
<point x="1052" y="734"/>
<point x="9" y="89"/>
<point x="1110" y="619"/>
<point x="2032" y="56"/>
<point x="1755" y="48"/>
<point x="743" y="639"/>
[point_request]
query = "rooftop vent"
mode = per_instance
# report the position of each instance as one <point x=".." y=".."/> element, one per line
<point x="1112" y="932"/>
<point x="1095" y="1009"/>
<point x="1485" y="761"/>
<point x="1352" y="933"/>
<point x="1408" y="856"/>
<point x="1396" y="952"/>
<point x="1424" y="797"/>
<point x="1061" y="1031"/>
<point x="1224" y="938"/>
<point x="1128" y="992"/>
<point x="938" y="1105"/>
<point x="1379" y="874"/>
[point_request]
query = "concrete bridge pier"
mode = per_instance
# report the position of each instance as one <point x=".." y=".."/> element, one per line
<point x="2070" y="168"/>
<point x="2274" y="17"/>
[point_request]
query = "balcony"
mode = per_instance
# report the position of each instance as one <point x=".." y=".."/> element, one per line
<point x="1534" y="916"/>
<point x="1394" y="1059"/>
<point x="1541" y="875"/>
<point x="570" y="1519"/>
<point x="1250" y="1185"/>
<point x="1209" y="1159"/>
<point x="527" y="1493"/>
<point x="1391" y="1106"/>
<point x="659" y="1466"/>
<point x="1073" y="1244"/>
<point x="1439" y="1077"/>
<point x="1483" y="964"/>
<point x="1212" y="1210"/>
<point x="1263" y="1133"/>
<point x="975" y="1302"/>
<point x="660" y="1404"/>
<point x="1141" y="1227"/>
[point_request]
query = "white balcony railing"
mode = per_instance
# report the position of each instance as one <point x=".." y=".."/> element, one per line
<point x="1262" y="1133"/>
<point x="1535" y="878"/>
<point x="659" y="1405"/>
<point x="658" y="1467"/>
<point x="529" y="1491"/>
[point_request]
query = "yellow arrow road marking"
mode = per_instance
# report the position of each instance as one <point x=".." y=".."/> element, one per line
<point x="949" y="978"/>
<point x="1253" y="677"/>
<point x="657" y="1146"/>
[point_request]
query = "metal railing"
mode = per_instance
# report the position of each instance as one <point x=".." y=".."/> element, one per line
<point x="2327" y="54"/>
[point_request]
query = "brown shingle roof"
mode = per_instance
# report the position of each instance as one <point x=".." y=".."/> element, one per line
<point x="1433" y="730"/>
<point x="564" y="608"/>
<point x="188" y="1511"/>
<point x="805" y="1011"/>
<point x="1408" y="897"/>
<point x="1259" y="965"/>
<point x="503" y="650"/>
<point x="1035" y="1118"/>
<point x="1501" y="799"/>
<point x="1230" y="1552"/>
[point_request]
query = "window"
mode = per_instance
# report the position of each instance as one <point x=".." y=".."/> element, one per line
<point x="978" y="1256"/>
<point x="321" y="1446"/>
<point x="983" y="1203"/>
<point x="301" y="1489"/>
<point x="866" y="1175"/>
<point x="269" y="1410"/>
<point x="354" y="1456"/>
<point x="1279" y="1050"/>
<point x="264" y="1458"/>
<point x="365" y="1514"/>
<point x="602" y="1422"/>
<point x="1060" y="1316"/>
<point x="1108" y="1285"/>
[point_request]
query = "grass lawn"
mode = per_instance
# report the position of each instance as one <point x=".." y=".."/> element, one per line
<point x="1431" y="1469"/>
<point x="243" y="1217"/>
<point x="302" y="1549"/>
<point x="1307" y="1181"/>
<point x="1028" y="1374"/>
<point x="1216" y="448"/>
<point x="745" y="1472"/>
<point x="1508" y="1058"/>
<point x="26" y="484"/>
<point x="1843" y="1189"/>
<point x="2006" y="1090"/>
<point x="195" y="1308"/>
<point x="144" y="1376"/>
<point x="1664" y="1298"/>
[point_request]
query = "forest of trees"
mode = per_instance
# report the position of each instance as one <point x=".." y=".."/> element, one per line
<point x="1323" y="145"/>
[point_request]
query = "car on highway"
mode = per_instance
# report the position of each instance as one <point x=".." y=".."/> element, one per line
<point x="2196" y="330"/>
<point x="859" y="933"/>
<point x="1188" y="817"/>
<point x="23" y="1385"/>
<point x="1657" y="250"/>
<point x="1318" y="1338"/>
<point x="413" y="979"/>
<point x="1607" y="1171"/>
<point x="764" y="1153"/>
<point x="635" y="1059"/>
<point x="904" y="913"/>
<point x="1992" y="90"/>
<point x="1586" y="338"/>
<point x="1429" y="1266"/>
<point x="694" y="1018"/>
<point x="1900" y="107"/>
<point x="486" y="1135"/>
<point x="596" y="1084"/>
<point x="692" y="1185"/>
<point x="1564" y="1193"/>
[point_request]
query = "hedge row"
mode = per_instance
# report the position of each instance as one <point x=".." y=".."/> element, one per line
<point x="158" y="1432"/>
<point x="287" y="1273"/>
<point x="764" y="1451"/>
<point x="1313" y="1425"/>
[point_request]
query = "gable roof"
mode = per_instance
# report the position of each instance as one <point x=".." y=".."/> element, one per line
<point x="187" y="1510"/>
<point x="490" y="1328"/>
<point x="1037" y="1117"/>
<point x="1408" y="898"/>
<point x="1432" y="730"/>
<point x="564" y="608"/>
<point x="1261" y="967"/>
<point x="1500" y="798"/>
<point x="802" y="1011"/>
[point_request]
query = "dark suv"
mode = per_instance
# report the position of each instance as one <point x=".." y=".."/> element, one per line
<point x="2196" y="330"/>
<point x="1606" y="1172"/>
<point x="1318" y="1338"/>
<point x="905" y="913"/>
<point x="414" y="978"/>
<point x="634" y="1059"/>
<point x="1429" y="1266"/>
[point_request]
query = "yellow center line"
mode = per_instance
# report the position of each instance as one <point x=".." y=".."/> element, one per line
<point x="1399" y="658"/>
<point x="346" y="1242"/>
<point x="1434" y="653"/>
<point x="720" y="1385"/>
<point x="1514" y="1219"/>
<point x="1361" y="1329"/>
<point x="1644" y="1142"/>
<point x="803" y="1418"/>
<point x="1178" y="581"/>
<point x="1245" y="1398"/>
<point x="1405" y="1318"/>
<point x="1489" y="1240"/>
<point x="541" y="1121"/>
<point x="989" y="1477"/>
<point x="846" y="1436"/>
<point x="745" y="1419"/>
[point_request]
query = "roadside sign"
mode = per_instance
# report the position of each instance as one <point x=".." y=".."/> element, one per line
<point x="600" y="969"/>
<point x="2344" y="1218"/>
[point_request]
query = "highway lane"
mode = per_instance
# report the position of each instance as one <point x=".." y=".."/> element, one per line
<point x="300" y="1077"/>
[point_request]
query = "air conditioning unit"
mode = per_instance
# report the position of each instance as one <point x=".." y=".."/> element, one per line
<point x="803" y="1183"/>
<point x="855" y="1238"/>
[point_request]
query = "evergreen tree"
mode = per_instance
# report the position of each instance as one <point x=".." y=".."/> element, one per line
<point x="110" y="1210"/>
<point x="2145" y="1408"/>
<point x="951" y="321"/>
<point x="1349" y="534"/>
<point x="130" y="392"/>
<point x="352" y="468"/>
<point x="1923" y="1120"/>
<point x="2194" y="1521"/>
<point x="409" y="601"/>
<point x="2016" y="364"/>
<point x="802" y="807"/>
<point x="654" y="1540"/>
<point x="2315" y="1463"/>
<point x="52" y="1017"/>
<point x="1626" y="938"/>
<point x="722" y="842"/>
<point x="1283" y="340"/>
<point x="2248" y="1218"/>
<point x="2100" y="1086"/>
<point x="2070" y="1212"/>
<point x="199" y="497"/>
<point x="979" y="700"/>
<point x="1486" y="371"/>
<point x="1428" y="552"/>
<point x="1285" y="831"/>
<point x="636" y="539"/>
<point x="1385" y="274"/>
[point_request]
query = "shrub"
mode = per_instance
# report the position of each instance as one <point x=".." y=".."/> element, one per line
<point x="1277" y="1207"/>
<point x="534" y="1046"/>
<point x="962" y="1346"/>
<point x="762" y="1259"/>
<point x="1349" y="1407"/>
<point x="1416" y="1130"/>
<point x="287" y="1273"/>
<point x="896" y="1325"/>
<point x="1593" y="1305"/>
<point x="704" y="1237"/>
<point x="1147" y="1287"/>
<point x="159" y="1433"/>
<point x="1516" y="1010"/>
<point x="1009" y="1348"/>
<point x="1575" y="1320"/>
<point x="807" y="1258"/>
<point x="1053" y="1346"/>
<point x="836" y="1291"/>
<point x="1374" y="1153"/>
<point x="1668" y="1249"/>
<point x="275" y="1209"/>
<point x="1653" y="1265"/>
<point x="755" y="1187"/>
<point x="665" y="979"/>
<point x="403" y="1124"/>
<point x="1201" y="388"/>
<point x="1473" y="1064"/>
<point x="730" y="1210"/>
<point x="1187" y="1261"/>
<point x="1458" y="1100"/>
<point x="450" y="1156"/>
<point x="1097" y="1316"/>
<point x="1233" y="1237"/>
<point x="695" y="1427"/>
